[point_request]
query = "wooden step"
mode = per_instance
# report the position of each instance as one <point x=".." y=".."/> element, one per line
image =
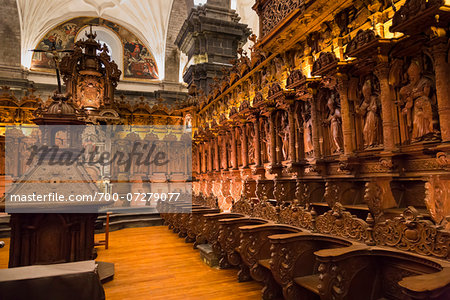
<point x="311" y="283"/>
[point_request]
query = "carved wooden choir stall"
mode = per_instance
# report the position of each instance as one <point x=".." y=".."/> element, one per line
<point x="329" y="143"/>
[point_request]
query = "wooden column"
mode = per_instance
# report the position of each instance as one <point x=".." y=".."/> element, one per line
<point x="197" y="156"/>
<point x="210" y="155"/>
<point x="205" y="158"/>
<point x="273" y="139"/>
<point x="234" y="160"/>
<point x="244" y="146"/>
<point x="216" y="153"/>
<point x="345" y="113"/>
<point x="257" y="141"/>
<point x="441" y="68"/>
<point x="291" y="120"/>
<point x="315" y="129"/>
<point x="224" y="151"/>
<point x="382" y="72"/>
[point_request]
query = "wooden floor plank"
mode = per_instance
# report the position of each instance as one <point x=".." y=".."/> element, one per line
<point x="153" y="263"/>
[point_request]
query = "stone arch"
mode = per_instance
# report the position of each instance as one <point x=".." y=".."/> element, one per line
<point x="179" y="13"/>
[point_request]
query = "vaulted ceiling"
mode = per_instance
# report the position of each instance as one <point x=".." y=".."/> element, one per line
<point x="147" y="19"/>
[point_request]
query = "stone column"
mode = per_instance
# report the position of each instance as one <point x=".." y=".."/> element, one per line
<point x="234" y="160"/>
<point x="345" y="113"/>
<point x="442" y="91"/>
<point x="273" y="139"/>
<point x="205" y="158"/>
<point x="244" y="146"/>
<point x="257" y="142"/>
<point x="216" y="153"/>
<point x="382" y="72"/>
<point x="291" y="120"/>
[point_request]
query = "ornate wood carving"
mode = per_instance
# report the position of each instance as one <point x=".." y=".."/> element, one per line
<point x="273" y="12"/>
<point x="410" y="232"/>
<point x="298" y="216"/>
<point x="342" y="223"/>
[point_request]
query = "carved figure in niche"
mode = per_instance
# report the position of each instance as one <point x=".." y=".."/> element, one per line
<point x="334" y="122"/>
<point x="369" y="111"/>
<point x="266" y="140"/>
<point x="251" y="144"/>
<point x="307" y="129"/>
<point x="417" y="104"/>
<point x="284" y="135"/>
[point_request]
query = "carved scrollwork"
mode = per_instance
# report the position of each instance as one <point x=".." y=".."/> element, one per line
<point x="332" y="193"/>
<point x="325" y="59"/>
<point x="362" y="38"/>
<point x="410" y="232"/>
<point x="275" y="11"/>
<point x="297" y="216"/>
<point x="243" y="206"/>
<point x="342" y="223"/>
<point x="295" y="77"/>
<point x="335" y="278"/>
<point x="411" y="8"/>
<point x="265" y="210"/>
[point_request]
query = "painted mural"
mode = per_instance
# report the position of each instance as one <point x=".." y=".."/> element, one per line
<point x="138" y="61"/>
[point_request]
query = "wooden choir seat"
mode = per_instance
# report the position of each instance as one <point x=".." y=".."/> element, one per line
<point x="230" y="238"/>
<point x="293" y="263"/>
<point x="196" y="224"/>
<point x="380" y="273"/>
<point x="255" y="253"/>
<point x="211" y="229"/>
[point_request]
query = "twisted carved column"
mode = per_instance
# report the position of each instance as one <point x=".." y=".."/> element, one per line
<point x="291" y="120"/>
<point x="257" y="142"/>
<point x="345" y="113"/>
<point x="382" y="72"/>
<point x="441" y="68"/>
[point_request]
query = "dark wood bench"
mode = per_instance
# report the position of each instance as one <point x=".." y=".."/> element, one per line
<point x="381" y="273"/>
<point x="255" y="254"/>
<point x="294" y="265"/>
<point x="196" y="224"/>
<point x="211" y="230"/>
<point x="229" y="238"/>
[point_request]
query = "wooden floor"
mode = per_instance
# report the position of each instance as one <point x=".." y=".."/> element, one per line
<point x="153" y="263"/>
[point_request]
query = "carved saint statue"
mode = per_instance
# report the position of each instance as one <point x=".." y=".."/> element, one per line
<point x="307" y="133"/>
<point x="251" y="145"/>
<point x="266" y="140"/>
<point x="415" y="96"/>
<point x="369" y="111"/>
<point x="284" y="136"/>
<point x="334" y="122"/>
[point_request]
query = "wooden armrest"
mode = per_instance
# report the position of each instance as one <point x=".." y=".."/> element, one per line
<point x="205" y="210"/>
<point x="342" y="253"/>
<point x="427" y="282"/>
<point x="270" y="226"/>
<point x="224" y="215"/>
<point x="243" y="219"/>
